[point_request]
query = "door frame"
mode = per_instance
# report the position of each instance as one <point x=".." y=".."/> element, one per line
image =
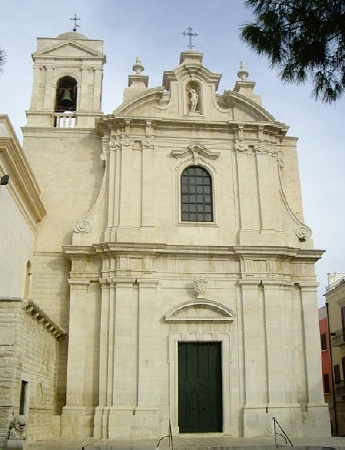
<point x="174" y="339"/>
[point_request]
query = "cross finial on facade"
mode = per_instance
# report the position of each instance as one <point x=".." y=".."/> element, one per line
<point x="190" y="34"/>
<point x="75" y="18"/>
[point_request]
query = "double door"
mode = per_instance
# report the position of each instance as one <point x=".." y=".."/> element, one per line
<point x="200" y="387"/>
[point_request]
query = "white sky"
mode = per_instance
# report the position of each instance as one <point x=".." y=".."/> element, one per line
<point x="152" y="30"/>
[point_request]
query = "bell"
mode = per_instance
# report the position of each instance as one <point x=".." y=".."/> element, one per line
<point x="66" y="97"/>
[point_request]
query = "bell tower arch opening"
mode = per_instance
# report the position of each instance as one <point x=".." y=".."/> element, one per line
<point x="66" y="94"/>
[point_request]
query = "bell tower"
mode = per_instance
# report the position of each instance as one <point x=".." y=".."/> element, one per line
<point x="67" y="85"/>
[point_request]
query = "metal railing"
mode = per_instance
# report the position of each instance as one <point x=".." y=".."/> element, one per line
<point x="277" y="433"/>
<point x="334" y="285"/>
<point x="171" y="444"/>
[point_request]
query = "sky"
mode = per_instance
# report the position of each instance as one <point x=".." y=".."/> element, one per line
<point x="152" y="30"/>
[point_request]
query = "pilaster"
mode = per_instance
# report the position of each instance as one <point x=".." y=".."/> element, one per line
<point x="77" y="419"/>
<point x="147" y="338"/>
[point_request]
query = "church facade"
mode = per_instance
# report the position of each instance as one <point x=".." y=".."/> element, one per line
<point x="173" y="253"/>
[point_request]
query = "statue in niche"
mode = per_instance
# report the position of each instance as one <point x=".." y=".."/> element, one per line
<point x="194" y="98"/>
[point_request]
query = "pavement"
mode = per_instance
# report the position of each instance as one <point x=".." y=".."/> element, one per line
<point x="200" y="442"/>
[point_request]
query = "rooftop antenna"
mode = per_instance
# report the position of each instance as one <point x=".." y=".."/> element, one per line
<point x="190" y="34"/>
<point x="75" y="18"/>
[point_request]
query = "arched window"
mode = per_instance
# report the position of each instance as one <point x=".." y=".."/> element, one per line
<point x="196" y="195"/>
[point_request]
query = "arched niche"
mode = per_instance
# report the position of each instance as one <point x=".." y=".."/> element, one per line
<point x="193" y="98"/>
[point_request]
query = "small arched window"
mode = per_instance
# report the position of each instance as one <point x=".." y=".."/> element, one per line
<point x="196" y="195"/>
<point x="66" y="95"/>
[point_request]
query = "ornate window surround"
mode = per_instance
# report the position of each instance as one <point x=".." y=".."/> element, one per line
<point x="194" y="155"/>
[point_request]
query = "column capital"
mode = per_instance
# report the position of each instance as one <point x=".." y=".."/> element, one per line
<point x="78" y="283"/>
<point x="123" y="281"/>
<point x="308" y="285"/>
<point x="249" y="284"/>
<point x="147" y="282"/>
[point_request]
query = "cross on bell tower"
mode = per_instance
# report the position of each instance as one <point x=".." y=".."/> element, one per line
<point x="190" y="34"/>
<point x="75" y="18"/>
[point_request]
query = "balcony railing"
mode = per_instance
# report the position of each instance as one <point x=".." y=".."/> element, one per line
<point x="65" y="120"/>
<point x="334" y="285"/>
<point x="338" y="337"/>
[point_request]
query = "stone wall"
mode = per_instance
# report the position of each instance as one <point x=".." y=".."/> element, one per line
<point x="29" y="351"/>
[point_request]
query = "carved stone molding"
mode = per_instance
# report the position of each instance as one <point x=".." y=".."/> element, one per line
<point x="83" y="226"/>
<point x="303" y="232"/>
<point x="241" y="146"/>
<point x="200" y="285"/>
<point x="40" y="316"/>
<point x="148" y="143"/>
<point x="265" y="148"/>
<point x="196" y="150"/>
<point x="200" y="310"/>
<point x="121" y="143"/>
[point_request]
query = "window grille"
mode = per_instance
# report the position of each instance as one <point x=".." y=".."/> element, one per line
<point x="196" y="195"/>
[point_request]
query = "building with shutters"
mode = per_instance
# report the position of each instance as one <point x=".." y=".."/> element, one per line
<point x="173" y="253"/>
<point x="335" y="301"/>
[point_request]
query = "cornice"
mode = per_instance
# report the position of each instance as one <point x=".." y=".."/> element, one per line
<point x="40" y="316"/>
<point x="155" y="249"/>
<point x="23" y="185"/>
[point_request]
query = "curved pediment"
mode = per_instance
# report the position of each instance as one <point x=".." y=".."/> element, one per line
<point x="139" y="104"/>
<point x="249" y="108"/>
<point x="200" y="311"/>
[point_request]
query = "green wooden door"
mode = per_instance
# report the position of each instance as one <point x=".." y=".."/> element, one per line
<point x="199" y="387"/>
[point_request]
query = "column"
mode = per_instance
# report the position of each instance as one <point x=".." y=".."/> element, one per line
<point x="76" y="416"/>
<point x="270" y="214"/>
<point x="149" y="361"/>
<point x="275" y="342"/>
<point x="317" y="416"/>
<point x="255" y="408"/>
<point x="125" y="359"/>
<point x="106" y="358"/>
<point x="247" y="191"/>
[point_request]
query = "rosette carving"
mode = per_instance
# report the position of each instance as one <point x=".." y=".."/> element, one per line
<point x="83" y="226"/>
<point x="241" y="146"/>
<point x="303" y="232"/>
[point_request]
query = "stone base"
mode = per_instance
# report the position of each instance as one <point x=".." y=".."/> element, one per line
<point x="16" y="443"/>
<point x="133" y="423"/>
<point x="258" y="420"/>
<point x="316" y="421"/>
<point x="77" y="421"/>
<point x="101" y="422"/>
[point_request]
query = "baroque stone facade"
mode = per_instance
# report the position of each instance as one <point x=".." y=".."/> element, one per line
<point x="174" y="253"/>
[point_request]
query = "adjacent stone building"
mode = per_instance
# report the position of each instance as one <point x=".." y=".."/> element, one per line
<point x="173" y="253"/>
<point x="29" y="339"/>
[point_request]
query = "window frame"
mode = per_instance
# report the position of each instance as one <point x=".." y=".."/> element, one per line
<point x="323" y="339"/>
<point x="212" y="194"/>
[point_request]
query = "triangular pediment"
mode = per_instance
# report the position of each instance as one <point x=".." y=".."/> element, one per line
<point x="202" y="310"/>
<point x="68" y="49"/>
